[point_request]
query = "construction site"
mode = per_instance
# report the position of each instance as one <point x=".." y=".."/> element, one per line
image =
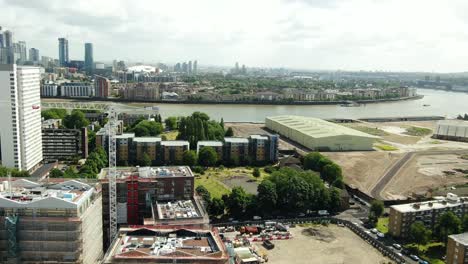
<point x="152" y="196"/>
<point x="50" y="223"/>
<point x="167" y="245"/>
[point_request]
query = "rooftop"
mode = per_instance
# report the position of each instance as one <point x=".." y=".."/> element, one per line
<point x="460" y="238"/>
<point x="24" y="193"/>
<point x="451" y="200"/>
<point x="177" y="210"/>
<point x="261" y="137"/>
<point x="147" y="139"/>
<point x="458" y="123"/>
<point x="174" y="143"/>
<point x="210" y="143"/>
<point x="170" y="243"/>
<point x="316" y="128"/>
<point x="236" y="140"/>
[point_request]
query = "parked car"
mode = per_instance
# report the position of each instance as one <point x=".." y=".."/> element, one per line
<point x="374" y="230"/>
<point x="380" y="235"/>
<point x="397" y="246"/>
<point x="268" y="244"/>
<point x="423" y="262"/>
<point x="414" y="257"/>
<point x="323" y="212"/>
<point x="257" y="217"/>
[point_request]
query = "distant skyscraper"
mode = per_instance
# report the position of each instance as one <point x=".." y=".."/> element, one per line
<point x="21" y="141"/>
<point x="8" y="35"/>
<point x="244" y="70"/>
<point x="22" y="52"/>
<point x="177" y="67"/>
<point x="7" y="53"/>
<point x="34" y="55"/>
<point x="195" y="67"/>
<point x="237" y="67"/>
<point x="63" y="52"/>
<point x="189" y="67"/>
<point x="2" y="39"/>
<point x="89" y="60"/>
<point x="184" y="67"/>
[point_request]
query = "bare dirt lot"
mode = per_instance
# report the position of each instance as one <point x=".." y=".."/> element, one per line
<point x="425" y="173"/>
<point x="320" y="244"/>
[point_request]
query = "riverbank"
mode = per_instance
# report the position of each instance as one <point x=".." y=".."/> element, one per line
<point x="208" y="102"/>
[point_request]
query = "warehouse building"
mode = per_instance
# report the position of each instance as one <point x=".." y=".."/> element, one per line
<point x="456" y="130"/>
<point x="58" y="223"/>
<point x="320" y="135"/>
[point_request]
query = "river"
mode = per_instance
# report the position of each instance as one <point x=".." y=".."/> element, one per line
<point x="441" y="103"/>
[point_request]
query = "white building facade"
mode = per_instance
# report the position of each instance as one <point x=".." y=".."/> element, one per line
<point x="49" y="89"/>
<point x="20" y="129"/>
<point x="76" y="90"/>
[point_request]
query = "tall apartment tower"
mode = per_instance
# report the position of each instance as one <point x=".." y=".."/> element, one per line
<point x="190" y="67"/>
<point x="34" y="55"/>
<point x="89" y="61"/>
<point x="63" y="51"/>
<point x="20" y="129"/>
<point x="195" y="67"/>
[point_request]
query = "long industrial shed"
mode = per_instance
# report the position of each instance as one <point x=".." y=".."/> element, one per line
<point x="320" y="135"/>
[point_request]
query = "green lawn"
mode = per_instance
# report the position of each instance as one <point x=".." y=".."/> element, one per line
<point x="418" y="131"/>
<point x="431" y="252"/>
<point x="171" y="135"/>
<point x="382" y="225"/>
<point x="386" y="147"/>
<point x="369" y="130"/>
<point x="216" y="188"/>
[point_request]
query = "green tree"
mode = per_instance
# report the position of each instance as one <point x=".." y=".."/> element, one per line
<point x="267" y="197"/>
<point x="222" y="122"/>
<point x="237" y="202"/>
<point x="447" y="224"/>
<point x="311" y="161"/>
<point x="77" y="119"/>
<point x="376" y="210"/>
<point x="70" y="173"/>
<point x="54" y="113"/>
<point x="198" y="127"/>
<point x="207" y="156"/>
<point x="171" y="122"/>
<point x="419" y="234"/>
<point x="229" y="132"/>
<point x="331" y="172"/>
<point x="145" y="160"/>
<point x="216" y="207"/>
<point x="189" y="157"/>
<point x="256" y="172"/>
<point x="147" y="128"/>
<point x="465" y="223"/>
<point x="3" y="171"/>
<point x="19" y="173"/>
<point x="335" y="199"/>
<point x="55" y="173"/>
<point x="203" y="192"/>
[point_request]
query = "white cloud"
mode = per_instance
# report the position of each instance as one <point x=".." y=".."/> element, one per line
<point x="427" y="35"/>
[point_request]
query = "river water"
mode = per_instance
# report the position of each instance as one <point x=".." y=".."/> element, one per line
<point x="441" y="103"/>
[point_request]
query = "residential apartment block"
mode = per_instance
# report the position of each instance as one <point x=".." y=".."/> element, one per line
<point x="173" y="151"/>
<point x="58" y="223"/>
<point x="141" y="91"/>
<point x="403" y="215"/>
<point x="63" y="144"/>
<point x="457" y="249"/>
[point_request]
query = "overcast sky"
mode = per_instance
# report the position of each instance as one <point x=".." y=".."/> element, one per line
<point x="399" y="35"/>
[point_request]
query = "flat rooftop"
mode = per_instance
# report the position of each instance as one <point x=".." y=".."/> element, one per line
<point x="451" y="200"/>
<point x="24" y="193"/>
<point x="210" y="143"/>
<point x="154" y="243"/>
<point x="261" y="137"/>
<point x="236" y="140"/>
<point x="177" y="210"/>
<point x="175" y="143"/>
<point x="460" y="238"/>
<point x="147" y="139"/>
<point x="153" y="172"/>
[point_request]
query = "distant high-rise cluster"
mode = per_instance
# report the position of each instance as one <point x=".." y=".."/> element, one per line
<point x="63" y="52"/>
<point x="11" y="52"/>
<point x="187" y="67"/>
<point x="239" y="70"/>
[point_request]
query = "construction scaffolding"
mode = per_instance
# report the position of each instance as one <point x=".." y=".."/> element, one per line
<point x="12" y="232"/>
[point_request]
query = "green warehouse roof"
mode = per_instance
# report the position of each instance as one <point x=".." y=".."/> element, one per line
<point x="316" y="128"/>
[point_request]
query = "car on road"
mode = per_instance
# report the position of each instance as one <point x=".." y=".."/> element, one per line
<point x="268" y="244"/>
<point x="397" y="246"/>
<point x="423" y="262"/>
<point x="414" y="257"/>
<point x="380" y="235"/>
<point x="374" y="230"/>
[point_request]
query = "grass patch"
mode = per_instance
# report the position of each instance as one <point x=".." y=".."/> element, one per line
<point x="171" y="135"/>
<point x="382" y="225"/>
<point x="431" y="252"/>
<point x="370" y="130"/>
<point x="386" y="147"/>
<point x="418" y="131"/>
<point x="216" y="188"/>
<point x="435" y="142"/>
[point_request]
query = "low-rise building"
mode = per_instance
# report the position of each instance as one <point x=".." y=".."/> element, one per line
<point x="58" y="223"/>
<point x="263" y="149"/>
<point x="76" y="90"/>
<point x="172" y="151"/>
<point x="404" y="215"/>
<point x="216" y="145"/>
<point x="457" y="249"/>
<point x="167" y="245"/>
<point x="102" y="86"/>
<point x="141" y="91"/>
<point x="236" y="150"/>
<point x="456" y="130"/>
<point x="49" y="90"/>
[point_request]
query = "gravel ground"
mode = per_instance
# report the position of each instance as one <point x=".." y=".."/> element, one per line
<point x="320" y="244"/>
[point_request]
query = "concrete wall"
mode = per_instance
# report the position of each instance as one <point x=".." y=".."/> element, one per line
<point x="92" y="233"/>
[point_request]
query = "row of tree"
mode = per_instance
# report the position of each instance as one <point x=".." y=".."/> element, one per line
<point x="329" y="171"/>
<point x="464" y="117"/>
<point x="284" y="191"/>
<point x="14" y="172"/>
<point x="198" y="127"/>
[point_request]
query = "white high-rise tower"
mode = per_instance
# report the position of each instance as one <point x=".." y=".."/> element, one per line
<point x="20" y="119"/>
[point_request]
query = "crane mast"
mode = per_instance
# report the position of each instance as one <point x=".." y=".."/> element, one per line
<point x="112" y="173"/>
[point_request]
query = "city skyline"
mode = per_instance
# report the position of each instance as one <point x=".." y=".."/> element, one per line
<point x="347" y="35"/>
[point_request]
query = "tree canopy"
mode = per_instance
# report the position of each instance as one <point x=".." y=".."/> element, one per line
<point x="189" y="157"/>
<point x="171" y="123"/>
<point x="207" y="156"/>
<point x="447" y="224"/>
<point x="54" y="113"/>
<point x="199" y="127"/>
<point x="147" y="128"/>
<point x="76" y="119"/>
<point x="419" y="233"/>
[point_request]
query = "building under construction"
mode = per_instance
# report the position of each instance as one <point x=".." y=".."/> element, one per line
<point x="50" y="223"/>
<point x="167" y="245"/>
<point x="151" y="196"/>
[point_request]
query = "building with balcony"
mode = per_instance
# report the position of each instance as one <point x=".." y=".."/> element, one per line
<point x="403" y="215"/>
